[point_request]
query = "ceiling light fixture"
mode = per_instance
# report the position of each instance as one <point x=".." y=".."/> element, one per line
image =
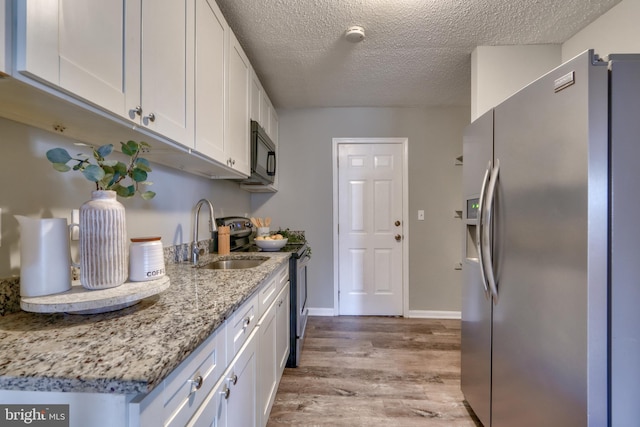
<point x="354" y="34"/>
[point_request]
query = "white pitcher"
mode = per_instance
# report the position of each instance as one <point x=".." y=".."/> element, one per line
<point x="45" y="260"/>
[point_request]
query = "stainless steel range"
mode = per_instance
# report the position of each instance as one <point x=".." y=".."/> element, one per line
<point x="240" y="241"/>
<point x="298" y="301"/>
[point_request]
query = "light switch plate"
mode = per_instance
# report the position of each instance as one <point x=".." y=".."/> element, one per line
<point x="420" y="215"/>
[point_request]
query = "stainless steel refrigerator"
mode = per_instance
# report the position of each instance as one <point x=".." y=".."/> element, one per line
<point x="551" y="292"/>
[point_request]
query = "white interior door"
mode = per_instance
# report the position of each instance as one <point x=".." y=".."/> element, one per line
<point x="370" y="228"/>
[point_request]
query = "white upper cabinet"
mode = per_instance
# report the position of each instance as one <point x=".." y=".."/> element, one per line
<point x="222" y="118"/>
<point x="238" y="85"/>
<point x="212" y="33"/>
<point x="86" y="48"/>
<point x="167" y="68"/>
<point x="273" y="125"/>
<point x="261" y="107"/>
<point x="133" y="59"/>
<point x="256" y="94"/>
<point x="265" y="113"/>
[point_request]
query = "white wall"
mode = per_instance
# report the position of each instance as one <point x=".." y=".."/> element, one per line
<point x="31" y="187"/>
<point x="617" y="31"/>
<point x="305" y="200"/>
<point x="498" y="72"/>
<point x="3" y="35"/>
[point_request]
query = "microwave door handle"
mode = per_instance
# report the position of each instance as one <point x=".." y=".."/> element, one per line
<point x="271" y="163"/>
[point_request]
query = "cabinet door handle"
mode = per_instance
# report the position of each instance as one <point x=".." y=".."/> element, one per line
<point x="226" y="392"/>
<point x="151" y="117"/>
<point x="138" y="110"/>
<point x="234" y="379"/>
<point x="246" y="323"/>
<point x="196" y="383"/>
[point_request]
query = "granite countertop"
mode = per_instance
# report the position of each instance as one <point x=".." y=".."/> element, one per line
<point x="132" y="350"/>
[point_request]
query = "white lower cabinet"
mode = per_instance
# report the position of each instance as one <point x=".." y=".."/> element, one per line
<point x="174" y="402"/>
<point x="241" y="379"/>
<point x="273" y="341"/>
<point x="268" y="366"/>
<point x="231" y="380"/>
<point x="273" y="348"/>
<point x="213" y="412"/>
<point x="233" y="398"/>
<point x="282" y="329"/>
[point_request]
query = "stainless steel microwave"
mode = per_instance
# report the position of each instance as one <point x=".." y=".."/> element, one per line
<point x="263" y="156"/>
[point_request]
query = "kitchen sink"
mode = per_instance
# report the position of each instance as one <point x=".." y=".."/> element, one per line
<point x="234" y="264"/>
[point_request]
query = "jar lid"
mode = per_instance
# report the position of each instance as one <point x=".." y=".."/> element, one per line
<point x="145" y="239"/>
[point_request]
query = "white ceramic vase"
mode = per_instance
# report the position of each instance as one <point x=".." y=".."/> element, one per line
<point x="103" y="242"/>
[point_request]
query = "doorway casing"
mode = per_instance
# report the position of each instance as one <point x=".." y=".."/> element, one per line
<point x="405" y="215"/>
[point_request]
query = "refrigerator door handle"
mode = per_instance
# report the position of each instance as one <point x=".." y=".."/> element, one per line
<point x="479" y="246"/>
<point x="486" y="231"/>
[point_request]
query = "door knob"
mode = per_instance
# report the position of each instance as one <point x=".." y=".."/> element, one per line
<point x="398" y="237"/>
<point x="397" y="223"/>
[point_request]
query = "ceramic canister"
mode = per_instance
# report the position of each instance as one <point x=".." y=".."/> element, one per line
<point x="146" y="259"/>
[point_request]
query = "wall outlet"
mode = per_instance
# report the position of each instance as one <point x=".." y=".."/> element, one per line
<point x="75" y="219"/>
<point x="420" y="215"/>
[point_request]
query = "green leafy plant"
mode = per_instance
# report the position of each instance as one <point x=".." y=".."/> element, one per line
<point x="294" y="237"/>
<point x="108" y="174"/>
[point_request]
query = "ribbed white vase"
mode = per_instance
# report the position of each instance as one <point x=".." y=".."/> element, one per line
<point x="103" y="242"/>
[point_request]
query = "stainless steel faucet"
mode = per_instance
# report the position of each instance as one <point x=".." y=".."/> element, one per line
<point x="195" y="254"/>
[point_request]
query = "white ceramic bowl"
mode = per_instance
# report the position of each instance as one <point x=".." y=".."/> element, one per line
<point x="271" y="245"/>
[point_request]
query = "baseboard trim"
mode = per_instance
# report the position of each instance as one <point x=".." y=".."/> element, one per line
<point x="416" y="314"/>
<point x="321" y="311"/>
<point x="434" y="314"/>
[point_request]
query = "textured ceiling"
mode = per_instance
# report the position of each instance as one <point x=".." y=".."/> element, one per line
<point x="416" y="52"/>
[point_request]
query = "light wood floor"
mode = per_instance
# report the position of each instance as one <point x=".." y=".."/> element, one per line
<point x="375" y="371"/>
